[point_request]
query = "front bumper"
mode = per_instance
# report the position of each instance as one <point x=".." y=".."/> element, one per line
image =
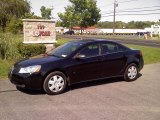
<point x="29" y="81"/>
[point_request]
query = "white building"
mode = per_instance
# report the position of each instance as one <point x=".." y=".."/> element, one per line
<point x="154" y="29"/>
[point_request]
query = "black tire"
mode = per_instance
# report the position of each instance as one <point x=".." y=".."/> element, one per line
<point x="55" y="83"/>
<point x="131" y="77"/>
<point x="20" y="88"/>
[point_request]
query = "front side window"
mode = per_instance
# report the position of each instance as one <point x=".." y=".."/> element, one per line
<point x="90" y="51"/>
<point x="66" y="49"/>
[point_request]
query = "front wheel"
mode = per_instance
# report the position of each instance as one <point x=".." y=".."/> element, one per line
<point x="55" y="83"/>
<point x="131" y="72"/>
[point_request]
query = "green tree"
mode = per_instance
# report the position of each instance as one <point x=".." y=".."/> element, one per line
<point x="46" y="12"/>
<point x="10" y="8"/>
<point x="14" y="25"/>
<point x="105" y="24"/>
<point x="87" y="12"/>
<point x="68" y="18"/>
<point x="59" y="23"/>
<point x="139" y="24"/>
<point x="83" y="13"/>
<point x="129" y="25"/>
<point x="30" y="16"/>
<point x="120" y="24"/>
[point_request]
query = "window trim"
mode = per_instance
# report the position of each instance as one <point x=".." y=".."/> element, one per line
<point x="112" y="53"/>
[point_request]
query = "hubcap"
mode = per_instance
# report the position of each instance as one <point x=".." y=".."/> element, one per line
<point x="132" y="72"/>
<point x="56" y="83"/>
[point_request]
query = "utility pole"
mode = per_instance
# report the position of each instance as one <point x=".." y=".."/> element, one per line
<point x="114" y="15"/>
<point x="52" y="17"/>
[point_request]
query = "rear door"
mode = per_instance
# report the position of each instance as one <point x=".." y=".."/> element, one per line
<point x="113" y="59"/>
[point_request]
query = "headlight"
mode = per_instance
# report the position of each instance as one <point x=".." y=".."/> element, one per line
<point x="30" y="69"/>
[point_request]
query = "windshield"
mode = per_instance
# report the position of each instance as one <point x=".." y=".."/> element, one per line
<point x="66" y="49"/>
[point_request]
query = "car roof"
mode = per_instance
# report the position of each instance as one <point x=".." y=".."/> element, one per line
<point x="92" y="40"/>
<point x="86" y="41"/>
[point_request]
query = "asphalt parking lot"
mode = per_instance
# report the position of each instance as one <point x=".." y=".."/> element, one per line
<point x="109" y="99"/>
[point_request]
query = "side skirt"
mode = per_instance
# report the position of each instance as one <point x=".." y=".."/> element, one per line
<point x="94" y="79"/>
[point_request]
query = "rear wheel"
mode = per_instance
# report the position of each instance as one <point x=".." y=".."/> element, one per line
<point x="55" y="83"/>
<point x="131" y="72"/>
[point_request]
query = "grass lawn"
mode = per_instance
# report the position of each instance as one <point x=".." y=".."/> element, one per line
<point x="120" y="37"/>
<point x="150" y="54"/>
<point x="62" y="41"/>
<point x="5" y="66"/>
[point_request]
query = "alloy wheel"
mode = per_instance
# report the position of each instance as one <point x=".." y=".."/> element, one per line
<point x="56" y="83"/>
<point x="132" y="72"/>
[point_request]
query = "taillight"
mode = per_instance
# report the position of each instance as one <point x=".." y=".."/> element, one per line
<point x="141" y="54"/>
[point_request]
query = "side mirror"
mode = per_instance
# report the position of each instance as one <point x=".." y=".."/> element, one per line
<point x="80" y="56"/>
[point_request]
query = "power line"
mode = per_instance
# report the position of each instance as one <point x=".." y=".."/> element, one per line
<point x="118" y="2"/>
<point x="139" y="11"/>
<point x="127" y="1"/>
<point x="141" y="8"/>
<point x="133" y="14"/>
<point x="132" y="11"/>
<point x="127" y="11"/>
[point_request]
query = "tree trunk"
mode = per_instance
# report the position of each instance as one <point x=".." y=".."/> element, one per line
<point x="81" y="30"/>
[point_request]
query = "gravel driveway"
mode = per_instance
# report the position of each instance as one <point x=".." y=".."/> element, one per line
<point x="109" y="99"/>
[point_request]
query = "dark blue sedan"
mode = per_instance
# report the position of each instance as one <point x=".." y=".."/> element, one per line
<point x="77" y="61"/>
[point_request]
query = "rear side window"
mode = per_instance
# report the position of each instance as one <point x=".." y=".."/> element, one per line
<point x="121" y="48"/>
<point x="111" y="48"/>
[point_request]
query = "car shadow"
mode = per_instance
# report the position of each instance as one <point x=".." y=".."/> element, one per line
<point x="31" y="92"/>
<point x="78" y="85"/>
<point x="95" y="83"/>
<point x="98" y="82"/>
<point x="139" y="75"/>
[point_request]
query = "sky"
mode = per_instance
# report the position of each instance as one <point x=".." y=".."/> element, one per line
<point x="126" y="11"/>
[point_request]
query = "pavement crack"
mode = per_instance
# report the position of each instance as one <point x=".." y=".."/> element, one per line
<point x="8" y="91"/>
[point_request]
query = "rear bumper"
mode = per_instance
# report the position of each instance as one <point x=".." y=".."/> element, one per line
<point x="141" y="64"/>
<point x="33" y="81"/>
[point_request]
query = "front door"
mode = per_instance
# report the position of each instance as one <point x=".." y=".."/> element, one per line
<point x="86" y="68"/>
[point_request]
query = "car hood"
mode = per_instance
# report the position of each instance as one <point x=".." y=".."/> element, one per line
<point x="37" y="60"/>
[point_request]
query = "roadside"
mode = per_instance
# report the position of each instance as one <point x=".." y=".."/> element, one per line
<point x="109" y="99"/>
<point x="116" y="37"/>
<point x="125" y="39"/>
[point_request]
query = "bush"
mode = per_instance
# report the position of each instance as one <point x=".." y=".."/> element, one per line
<point x="14" y="25"/>
<point x="8" y="46"/>
<point x="28" y="50"/>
